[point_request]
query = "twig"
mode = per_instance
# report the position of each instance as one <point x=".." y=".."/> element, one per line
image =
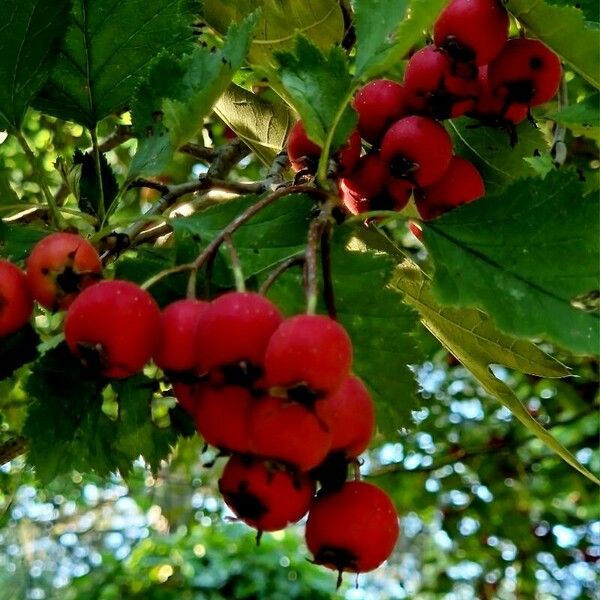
<point x="121" y="134"/>
<point x="558" y="152"/>
<point x="12" y="448"/>
<point x="328" y="291"/>
<point x="236" y="265"/>
<point x="96" y="153"/>
<point x="286" y="265"/>
<point x="200" y="152"/>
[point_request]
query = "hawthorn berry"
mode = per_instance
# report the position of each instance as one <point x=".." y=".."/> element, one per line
<point x="291" y="432"/>
<point x="176" y="352"/>
<point x="222" y="415"/>
<point x="437" y="85"/>
<point x="472" y="30"/>
<point x="189" y="394"/>
<point x="368" y="178"/>
<point x="305" y="154"/>
<point x="113" y="326"/>
<point x="350" y="416"/>
<point x="353" y="529"/>
<point x="59" y="267"/>
<point x="378" y="104"/>
<point x="232" y="334"/>
<point x="417" y="149"/>
<point x="525" y="72"/>
<point x="263" y="494"/>
<point x="460" y="184"/>
<point x="16" y="304"/>
<point x="494" y="109"/>
<point x="309" y="355"/>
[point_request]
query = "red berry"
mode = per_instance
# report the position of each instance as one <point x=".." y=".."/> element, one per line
<point x="460" y="184"/>
<point x="114" y="326"/>
<point x="378" y="104"/>
<point x="438" y="86"/>
<point x="16" y="304"/>
<point x="399" y="192"/>
<point x="418" y="149"/>
<point x="526" y="72"/>
<point x="308" y="352"/>
<point x="369" y="178"/>
<point x="290" y="432"/>
<point x="347" y="156"/>
<point x="178" y="322"/>
<point x="354" y="529"/>
<point x="232" y="334"/>
<point x="264" y="495"/>
<point x="189" y="394"/>
<point x="222" y="415"/>
<point x="302" y="152"/>
<point x="350" y="415"/>
<point x="493" y="108"/>
<point x="59" y="267"/>
<point x="472" y="30"/>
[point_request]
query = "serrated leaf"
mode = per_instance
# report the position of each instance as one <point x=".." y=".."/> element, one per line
<point x="280" y="22"/>
<point x="17" y="240"/>
<point x="170" y="105"/>
<point x="318" y="85"/>
<point x="88" y="190"/>
<point x="386" y="31"/>
<point x="262" y="124"/>
<point x="136" y="434"/>
<point x="17" y="350"/>
<point x="107" y="48"/>
<point x="564" y="29"/>
<point x="472" y="338"/>
<point x="29" y="33"/>
<point x="274" y="234"/>
<point x="489" y="149"/>
<point x="525" y="257"/>
<point x="582" y="118"/>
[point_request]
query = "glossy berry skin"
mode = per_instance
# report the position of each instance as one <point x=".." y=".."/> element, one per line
<point x="235" y="328"/>
<point x="493" y="108"/>
<point x="222" y="415"/>
<point x="417" y="149"/>
<point x="350" y="416"/>
<point x="177" y="349"/>
<point x="378" y="104"/>
<point x="460" y="184"/>
<point x="302" y="152"/>
<point x="354" y="529"/>
<point x="347" y="156"/>
<point x="16" y="304"/>
<point x="308" y="351"/>
<point x="290" y="432"/>
<point x="264" y="495"/>
<point x="113" y="326"/>
<point x="59" y="267"/>
<point x="369" y="177"/>
<point x="472" y="30"/>
<point x="189" y="394"/>
<point x="526" y="72"/>
<point x="438" y="86"/>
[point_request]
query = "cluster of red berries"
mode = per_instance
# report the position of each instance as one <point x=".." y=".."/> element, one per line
<point x="275" y="394"/>
<point x="471" y="69"/>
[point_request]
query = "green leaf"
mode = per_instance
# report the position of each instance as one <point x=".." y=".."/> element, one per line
<point x="280" y="22"/>
<point x="564" y="29"/>
<point x="319" y="86"/>
<point x="387" y="30"/>
<point x="7" y="194"/>
<point x="106" y="50"/>
<point x="170" y="105"/>
<point x="17" y="240"/>
<point x="489" y="149"/>
<point x="67" y="428"/>
<point x="472" y="338"/>
<point x="527" y="257"/>
<point x="136" y="434"/>
<point x="262" y="124"/>
<point x="29" y="33"/>
<point x="274" y="234"/>
<point x="17" y="350"/>
<point x="88" y="191"/>
<point x="582" y="118"/>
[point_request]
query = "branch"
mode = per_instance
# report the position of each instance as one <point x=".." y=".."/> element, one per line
<point x="199" y="152"/>
<point x="286" y="265"/>
<point x="11" y="449"/>
<point x="121" y="134"/>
